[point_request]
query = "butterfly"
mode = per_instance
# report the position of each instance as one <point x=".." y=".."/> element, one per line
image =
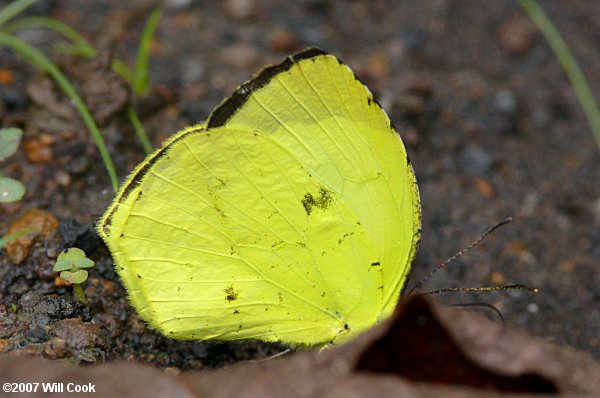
<point x="290" y="215"/>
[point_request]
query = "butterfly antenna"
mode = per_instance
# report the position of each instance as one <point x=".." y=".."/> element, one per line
<point x="460" y="253"/>
<point x="485" y="289"/>
<point x="481" y="304"/>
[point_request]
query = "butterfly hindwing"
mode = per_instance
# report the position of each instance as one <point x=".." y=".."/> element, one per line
<point x="291" y="215"/>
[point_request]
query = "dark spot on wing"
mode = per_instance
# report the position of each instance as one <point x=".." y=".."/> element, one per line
<point x="322" y="201"/>
<point x="230" y="294"/>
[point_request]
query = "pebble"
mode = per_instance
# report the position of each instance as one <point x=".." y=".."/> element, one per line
<point x="475" y="160"/>
<point x="284" y="40"/>
<point x="533" y="308"/>
<point x="42" y="224"/>
<point x="14" y="98"/>
<point x="530" y="204"/>
<point x="76" y="333"/>
<point x="192" y="70"/>
<point x="505" y="102"/>
<point x="6" y="77"/>
<point x="241" y="56"/>
<point x="4" y="343"/>
<point x="173" y="371"/>
<point x="378" y="66"/>
<point x="38" y="151"/>
<point x="55" y="348"/>
<point x="485" y="188"/>
<point x="240" y="9"/>
<point x="497" y="278"/>
<point x="44" y="308"/>
<point x="516" y="35"/>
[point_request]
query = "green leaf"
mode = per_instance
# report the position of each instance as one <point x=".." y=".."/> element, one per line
<point x="83" y="263"/>
<point x="76" y="277"/>
<point x="70" y="256"/>
<point x="72" y="259"/>
<point x="9" y="141"/>
<point x="11" y="190"/>
<point x="61" y="265"/>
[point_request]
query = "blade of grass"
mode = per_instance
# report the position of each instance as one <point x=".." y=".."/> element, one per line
<point x="37" y="58"/>
<point x="568" y="62"/>
<point x="82" y="47"/>
<point x="5" y="240"/>
<point x="139" y="129"/>
<point x="122" y="70"/>
<point x="14" y="8"/>
<point x="143" y="57"/>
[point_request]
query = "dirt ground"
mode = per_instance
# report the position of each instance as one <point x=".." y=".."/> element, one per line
<point x="490" y="121"/>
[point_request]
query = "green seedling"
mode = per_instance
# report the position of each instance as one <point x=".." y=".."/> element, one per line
<point x="71" y="263"/>
<point x="11" y="190"/>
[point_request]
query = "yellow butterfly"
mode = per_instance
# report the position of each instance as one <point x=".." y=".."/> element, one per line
<point x="291" y="215"/>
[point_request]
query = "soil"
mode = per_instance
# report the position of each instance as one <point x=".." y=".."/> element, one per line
<point x="490" y="121"/>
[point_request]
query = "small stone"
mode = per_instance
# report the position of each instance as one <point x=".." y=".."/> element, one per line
<point x="240" y="9"/>
<point x="37" y="151"/>
<point x="13" y="97"/>
<point x="505" y="102"/>
<point x="516" y="34"/>
<point x="284" y="40"/>
<point x="485" y="188"/>
<point x="41" y="223"/>
<point x="378" y="66"/>
<point x="6" y="77"/>
<point x="475" y="160"/>
<point x="4" y="343"/>
<point x="76" y="333"/>
<point x="172" y="371"/>
<point x="63" y="178"/>
<point x="567" y="266"/>
<point x="192" y="70"/>
<point x="241" y="55"/>
<point x="55" y="348"/>
<point x="36" y="335"/>
<point x="497" y="278"/>
<point x="29" y="300"/>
